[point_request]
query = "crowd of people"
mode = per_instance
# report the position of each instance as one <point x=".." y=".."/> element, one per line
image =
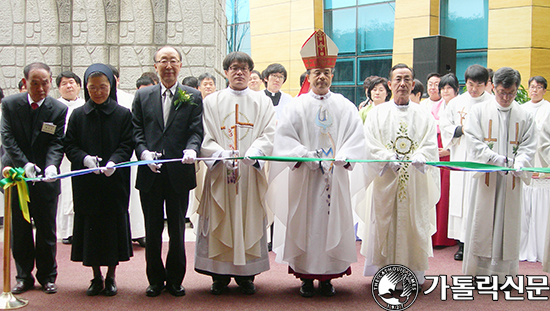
<point x="404" y="207"/>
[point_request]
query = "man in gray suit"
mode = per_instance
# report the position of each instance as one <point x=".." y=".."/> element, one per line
<point x="33" y="125"/>
<point x="167" y="121"/>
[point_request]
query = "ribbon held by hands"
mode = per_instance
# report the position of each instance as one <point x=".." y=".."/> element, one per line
<point x="15" y="176"/>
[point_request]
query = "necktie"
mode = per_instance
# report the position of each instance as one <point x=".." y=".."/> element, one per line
<point x="34" y="106"/>
<point x="166" y="105"/>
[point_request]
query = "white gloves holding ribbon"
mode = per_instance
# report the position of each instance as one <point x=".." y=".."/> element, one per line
<point x="419" y="162"/>
<point x="518" y="172"/>
<point x="92" y="162"/>
<point x="147" y="155"/>
<point x="31" y="170"/>
<point x="340" y="160"/>
<point x="109" y="169"/>
<point x="394" y="166"/>
<point x="230" y="164"/>
<point x="312" y="165"/>
<point x="500" y="160"/>
<point x="49" y="173"/>
<point x="252" y="152"/>
<point x="189" y="156"/>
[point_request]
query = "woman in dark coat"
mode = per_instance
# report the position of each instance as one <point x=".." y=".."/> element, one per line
<point x="99" y="134"/>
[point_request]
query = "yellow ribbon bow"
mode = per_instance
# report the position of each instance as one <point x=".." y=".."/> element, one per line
<point x="16" y="177"/>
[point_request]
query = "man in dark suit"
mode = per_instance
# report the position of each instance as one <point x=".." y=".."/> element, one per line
<point x="167" y="121"/>
<point x="32" y="129"/>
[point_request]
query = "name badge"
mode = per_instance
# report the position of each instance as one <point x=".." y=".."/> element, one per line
<point x="48" y="127"/>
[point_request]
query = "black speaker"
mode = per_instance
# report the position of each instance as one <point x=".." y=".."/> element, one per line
<point x="433" y="54"/>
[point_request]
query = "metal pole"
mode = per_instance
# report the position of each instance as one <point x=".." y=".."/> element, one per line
<point x="7" y="299"/>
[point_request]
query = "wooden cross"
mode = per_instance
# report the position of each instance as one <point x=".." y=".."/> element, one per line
<point x="462" y="114"/>
<point x="235" y="133"/>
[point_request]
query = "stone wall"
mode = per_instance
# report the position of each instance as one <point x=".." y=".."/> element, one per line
<point x="72" y="34"/>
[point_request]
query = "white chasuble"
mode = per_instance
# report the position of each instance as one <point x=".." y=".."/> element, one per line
<point x="455" y="116"/>
<point x="401" y="215"/>
<point x="232" y="211"/>
<point x="314" y="230"/>
<point x="493" y="227"/>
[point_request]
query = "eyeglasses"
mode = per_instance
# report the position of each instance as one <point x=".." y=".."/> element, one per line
<point x="536" y="87"/>
<point x="165" y="62"/>
<point x="237" y="68"/>
<point x="276" y="76"/>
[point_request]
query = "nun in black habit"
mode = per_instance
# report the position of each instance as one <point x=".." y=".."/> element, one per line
<point x="99" y="134"/>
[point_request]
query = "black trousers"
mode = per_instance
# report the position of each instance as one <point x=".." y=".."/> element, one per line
<point x="152" y="203"/>
<point x="26" y="251"/>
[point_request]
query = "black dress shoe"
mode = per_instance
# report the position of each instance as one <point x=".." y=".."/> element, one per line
<point x="22" y="286"/>
<point x="175" y="290"/>
<point x="247" y="287"/>
<point x="110" y="287"/>
<point x="140" y="241"/>
<point x="68" y="240"/>
<point x="49" y="288"/>
<point x="96" y="287"/>
<point x="460" y="252"/>
<point x="327" y="289"/>
<point x="307" y="290"/>
<point x="218" y="287"/>
<point x="154" y="290"/>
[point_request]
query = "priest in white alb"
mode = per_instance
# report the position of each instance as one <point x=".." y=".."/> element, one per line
<point x="400" y="217"/>
<point x="231" y="233"/>
<point x="452" y="125"/>
<point x="501" y="133"/>
<point x="315" y="235"/>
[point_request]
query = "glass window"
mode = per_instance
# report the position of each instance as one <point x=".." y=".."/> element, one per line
<point x="466" y="59"/>
<point x="237" y="11"/>
<point x="467" y="21"/>
<point x="348" y="92"/>
<point x="360" y="2"/>
<point x="340" y="26"/>
<point x="337" y="4"/>
<point x="344" y="72"/>
<point x="238" y="25"/>
<point x="375" y="27"/>
<point x="373" y="66"/>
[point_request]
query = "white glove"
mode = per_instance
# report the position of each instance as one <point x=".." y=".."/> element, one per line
<point x="189" y="156"/>
<point x="92" y="162"/>
<point x="518" y="172"/>
<point x="394" y="166"/>
<point x="312" y="165"/>
<point x="500" y="160"/>
<point x="31" y="170"/>
<point x="326" y="166"/>
<point x="49" y="173"/>
<point x="340" y="160"/>
<point x="252" y="152"/>
<point x="419" y="162"/>
<point x="109" y="169"/>
<point x="147" y="155"/>
<point x="230" y="164"/>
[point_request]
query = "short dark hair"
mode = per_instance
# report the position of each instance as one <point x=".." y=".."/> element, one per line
<point x="69" y="75"/>
<point x="256" y="72"/>
<point x="114" y="70"/>
<point x="507" y="77"/>
<point x="36" y="65"/>
<point x="1" y="94"/>
<point x="491" y="74"/>
<point x="368" y="81"/>
<point x="190" y="81"/>
<point x="20" y="84"/>
<point x="144" y="80"/>
<point x="303" y="78"/>
<point x="418" y="87"/>
<point x="432" y="74"/>
<point x="166" y="46"/>
<point x="400" y="66"/>
<point x="379" y="80"/>
<point x="449" y="79"/>
<point x="239" y="57"/>
<point x="539" y="80"/>
<point x="273" y="68"/>
<point x="151" y="75"/>
<point x="206" y="75"/>
<point x="476" y="73"/>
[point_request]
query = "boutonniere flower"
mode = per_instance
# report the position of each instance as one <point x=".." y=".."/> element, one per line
<point x="183" y="98"/>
